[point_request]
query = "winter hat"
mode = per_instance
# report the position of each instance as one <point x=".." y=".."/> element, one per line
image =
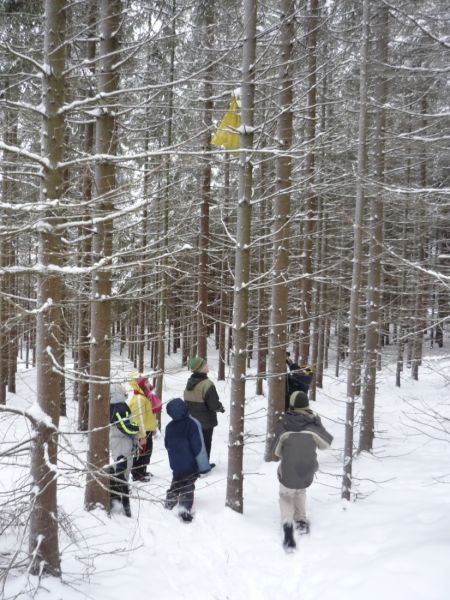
<point x="197" y="363"/>
<point x="141" y="382"/>
<point x="298" y="401"/>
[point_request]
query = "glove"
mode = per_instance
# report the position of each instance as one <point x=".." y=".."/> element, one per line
<point x="142" y="447"/>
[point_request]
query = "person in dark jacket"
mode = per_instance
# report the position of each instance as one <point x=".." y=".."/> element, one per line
<point x="297" y="437"/>
<point x="202" y="399"/>
<point x="187" y="457"/>
<point x="123" y="436"/>
<point x="298" y="379"/>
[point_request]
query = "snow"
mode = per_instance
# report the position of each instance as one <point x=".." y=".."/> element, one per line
<point x="391" y="542"/>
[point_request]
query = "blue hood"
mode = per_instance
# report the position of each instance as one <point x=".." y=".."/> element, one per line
<point x="177" y="409"/>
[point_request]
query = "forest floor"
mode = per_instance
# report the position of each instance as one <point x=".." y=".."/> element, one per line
<point x="392" y="541"/>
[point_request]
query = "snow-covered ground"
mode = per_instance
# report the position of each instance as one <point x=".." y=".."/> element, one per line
<point x="393" y="542"/>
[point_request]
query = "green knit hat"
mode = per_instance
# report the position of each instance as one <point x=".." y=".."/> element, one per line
<point x="197" y="363"/>
<point x="298" y="401"/>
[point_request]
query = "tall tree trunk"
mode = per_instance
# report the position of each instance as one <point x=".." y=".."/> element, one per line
<point x="96" y="493"/>
<point x="262" y="289"/>
<point x="164" y="294"/>
<point x="205" y="192"/>
<point x="225" y="289"/>
<point x="235" y="476"/>
<point x="354" y="346"/>
<point x="43" y="541"/>
<point x="279" y="301"/>
<point x="373" y="317"/>
<point x="83" y="305"/>
<point x="310" y="167"/>
<point x="7" y="252"/>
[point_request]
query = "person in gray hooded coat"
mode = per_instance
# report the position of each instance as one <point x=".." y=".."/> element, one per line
<point x="297" y="437"/>
<point x="123" y="442"/>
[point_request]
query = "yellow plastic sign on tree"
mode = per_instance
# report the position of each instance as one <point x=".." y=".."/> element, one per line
<point x="227" y="134"/>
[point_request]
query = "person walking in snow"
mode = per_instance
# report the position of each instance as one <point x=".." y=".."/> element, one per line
<point x="297" y="436"/>
<point x="202" y="399"/>
<point x="144" y="416"/>
<point x="187" y="457"/>
<point x="298" y="379"/>
<point x="123" y="443"/>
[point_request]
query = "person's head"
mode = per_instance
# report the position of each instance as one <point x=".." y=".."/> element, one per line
<point x="177" y="409"/>
<point x="298" y="401"/>
<point x="117" y="393"/>
<point x="197" y="364"/>
<point x="306" y="369"/>
<point x="145" y="385"/>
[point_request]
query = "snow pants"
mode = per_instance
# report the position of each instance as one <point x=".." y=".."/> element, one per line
<point x="292" y="504"/>
<point x="181" y="491"/>
<point x="122" y="447"/>
<point x="142" y="459"/>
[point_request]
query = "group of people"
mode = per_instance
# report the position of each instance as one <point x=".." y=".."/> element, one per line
<point x="188" y="438"/>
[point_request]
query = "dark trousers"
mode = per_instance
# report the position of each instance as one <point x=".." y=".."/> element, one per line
<point x="207" y="436"/>
<point x="141" y="461"/>
<point x="119" y="489"/>
<point x="182" y="491"/>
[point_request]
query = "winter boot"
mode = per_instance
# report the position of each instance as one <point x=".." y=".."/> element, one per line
<point x="186" y="516"/>
<point x="302" y="526"/>
<point x="289" y="543"/>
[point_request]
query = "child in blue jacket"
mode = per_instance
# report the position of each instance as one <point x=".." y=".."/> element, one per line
<point x="187" y="457"/>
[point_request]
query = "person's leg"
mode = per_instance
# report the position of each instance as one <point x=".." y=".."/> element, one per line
<point x="138" y="469"/>
<point x="300" y="505"/>
<point x="287" y="516"/>
<point x="142" y="460"/>
<point x="172" y="493"/>
<point x="286" y="504"/>
<point x="207" y="436"/>
<point x="187" y="489"/>
<point x="149" y="449"/>
<point x="122" y="487"/>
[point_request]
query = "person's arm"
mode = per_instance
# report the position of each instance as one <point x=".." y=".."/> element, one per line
<point x="142" y="435"/>
<point x="122" y="419"/>
<point x="197" y="445"/>
<point x="212" y="401"/>
<point x="321" y="436"/>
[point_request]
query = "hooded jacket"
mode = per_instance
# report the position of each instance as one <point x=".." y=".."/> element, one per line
<point x="184" y="442"/>
<point x="202" y="400"/>
<point x="297" y="380"/>
<point x="141" y="410"/>
<point x="120" y="412"/>
<point x="297" y="437"/>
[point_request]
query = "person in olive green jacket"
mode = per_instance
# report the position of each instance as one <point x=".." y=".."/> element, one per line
<point x="202" y="399"/>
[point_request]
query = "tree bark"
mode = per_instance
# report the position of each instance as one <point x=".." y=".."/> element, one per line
<point x="97" y="493"/>
<point x="43" y="541"/>
<point x="354" y="346"/>
<point x="235" y="476"/>
<point x="310" y="168"/>
<point x="374" y="293"/>
<point x="279" y="301"/>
